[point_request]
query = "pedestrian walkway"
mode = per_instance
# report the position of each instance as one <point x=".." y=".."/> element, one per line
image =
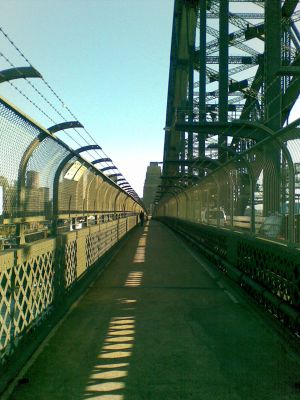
<point x="159" y="324"/>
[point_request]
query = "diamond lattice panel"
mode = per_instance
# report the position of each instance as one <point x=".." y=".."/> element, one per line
<point x="33" y="290"/>
<point x="70" y="262"/>
<point x="5" y="312"/>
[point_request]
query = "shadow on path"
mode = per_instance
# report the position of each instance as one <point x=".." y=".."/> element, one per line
<point x="156" y="326"/>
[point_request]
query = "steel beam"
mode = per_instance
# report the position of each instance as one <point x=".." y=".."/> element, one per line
<point x="18" y="73"/>
<point x="87" y="148"/>
<point x="100" y="160"/>
<point x="238" y="128"/>
<point x="107" y="168"/>
<point x="223" y="69"/>
<point x="272" y="64"/>
<point x="65" y="125"/>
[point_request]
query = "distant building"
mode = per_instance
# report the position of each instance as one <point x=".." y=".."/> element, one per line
<point x="36" y="197"/>
<point x="32" y="179"/>
<point x="152" y="181"/>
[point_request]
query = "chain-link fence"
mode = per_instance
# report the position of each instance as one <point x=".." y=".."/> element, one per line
<point x="257" y="192"/>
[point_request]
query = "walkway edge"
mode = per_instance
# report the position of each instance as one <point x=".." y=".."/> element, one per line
<point x="258" y="292"/>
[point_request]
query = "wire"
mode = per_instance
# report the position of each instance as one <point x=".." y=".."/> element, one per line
<point x="99" y="154"/>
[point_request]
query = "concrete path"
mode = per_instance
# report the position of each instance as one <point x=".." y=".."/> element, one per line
<point x="159" y="325"/>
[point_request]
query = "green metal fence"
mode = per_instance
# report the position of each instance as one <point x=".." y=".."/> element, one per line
<point x="245" y="217"/>
<point x="257" y="192"/>
<point x="58" y="216"/>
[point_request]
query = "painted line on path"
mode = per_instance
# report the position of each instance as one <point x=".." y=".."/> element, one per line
<point x="207" y="269"/>
<point x="231" y="296"/>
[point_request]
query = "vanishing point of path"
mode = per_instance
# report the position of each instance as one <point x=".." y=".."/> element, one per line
<point x="159" y="325"/>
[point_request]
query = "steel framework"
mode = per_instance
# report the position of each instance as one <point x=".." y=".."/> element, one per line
<point x="232" y="83"/>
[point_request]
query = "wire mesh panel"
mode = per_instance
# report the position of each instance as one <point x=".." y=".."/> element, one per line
<point x="94" y="192"/>
<point x="16" y="135"/>
<point x="39" y="177"/>
<point x="256" y="192"/>
<point x="292" y="202"/>
<point x="194" y="206"/>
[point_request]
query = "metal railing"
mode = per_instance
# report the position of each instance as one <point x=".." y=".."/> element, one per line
<point x="58" y="216"/>
<point x="245" y="216"/>
<point x="256" y="192"/>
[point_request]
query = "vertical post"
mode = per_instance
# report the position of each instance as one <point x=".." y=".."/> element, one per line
<point x="191" y="104"/>
<point x="191" y="51"/>
<point x="172" y="138"/>
<point x="272" y="62"/>
<point x="223" y="69"/>
<point x="12" y="304"/>
<point x="59" y="281"/>
<point x="231" y="199"/>
<point x="217" y="206"/>
<point x="272" y="103"/>
<point x="252" y="204"/>
<point x="202" y="75"/>
<point x="182" y="153"/>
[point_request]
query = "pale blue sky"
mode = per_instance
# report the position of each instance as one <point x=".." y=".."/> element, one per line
<point x="108" y="60"/>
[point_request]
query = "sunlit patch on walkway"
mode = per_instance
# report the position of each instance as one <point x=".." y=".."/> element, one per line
<point x="127" y="301"/>
<point x="106" y="397"/>
<point x="140" y="253"/>
<point x="107" y="386"/>
<point x="113" y="374"/>
<point x="107" y="380"/>
<point x="134" y="279"/>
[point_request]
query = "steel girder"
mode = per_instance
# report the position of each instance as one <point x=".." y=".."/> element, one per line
<point x="267" y="57"/>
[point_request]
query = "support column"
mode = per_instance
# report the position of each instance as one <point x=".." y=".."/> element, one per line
<point x="273" y="96"/>
<point x="202" y="75"/>
<point x="272" y="61"/>
<point x="191" y="35"/>
<point x="191" y="104"/>
<point x="223" y="69"/>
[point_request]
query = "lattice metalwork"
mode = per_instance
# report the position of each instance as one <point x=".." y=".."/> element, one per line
<point x="29" y="278"/>
<point x="277" y="271"/>
<point x="70" y="262"/>
<point x="5" y="311"/>
<point x="34" y="290"/>
<point x="94" y="249"/>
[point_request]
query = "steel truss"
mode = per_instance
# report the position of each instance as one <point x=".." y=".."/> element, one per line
<point x="227" y="69"/>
